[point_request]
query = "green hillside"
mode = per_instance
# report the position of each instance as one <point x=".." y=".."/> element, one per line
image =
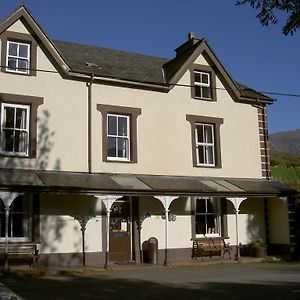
<point x="286" y="168"/>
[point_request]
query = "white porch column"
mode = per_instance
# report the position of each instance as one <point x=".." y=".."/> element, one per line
<point x="166" y="202"/>
<point x="108" y="201"/>
<point x="7" y="198"/>
<point x="236" y="203"/>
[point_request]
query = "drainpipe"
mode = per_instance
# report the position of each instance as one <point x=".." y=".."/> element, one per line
<point x="89" y="117"/>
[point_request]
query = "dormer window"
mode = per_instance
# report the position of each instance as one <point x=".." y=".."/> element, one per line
<point x="18" y="53"/>
<point x="18" y="57"/>
<point x="203" y="81"/>
<point x="202" y="85"/>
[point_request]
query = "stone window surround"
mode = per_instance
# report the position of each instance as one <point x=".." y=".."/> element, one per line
<point x="133" y="113"/>
<point x="33" y="102"/>
<point x="193" y="119"/>
<point x="23" y="38"/>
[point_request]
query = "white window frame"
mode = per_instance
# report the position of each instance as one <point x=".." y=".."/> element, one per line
<point x="205" y="145"/>
<point x="18" y="58"/>
<point x="216" y="215"/>
<point x="29" y="221"/>
<point x="201" y="84"/>
<point x="127" y="136"/>
<point x="26" y="129"/>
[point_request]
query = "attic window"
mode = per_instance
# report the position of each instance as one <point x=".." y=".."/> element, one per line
<point x="203" y="81"/>
<point x="18" y="53"/>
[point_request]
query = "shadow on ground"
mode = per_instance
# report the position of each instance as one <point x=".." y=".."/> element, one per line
<point x="110" y="286"/>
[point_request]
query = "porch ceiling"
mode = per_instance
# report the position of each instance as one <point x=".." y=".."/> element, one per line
<point x="130" y="184"/>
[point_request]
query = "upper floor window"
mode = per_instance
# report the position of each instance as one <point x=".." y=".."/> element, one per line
<point x="203" y="80"/>
<point x="118" y="137"/>
<point x="18" y="125"/>
<point x="15" y="129"/>
<point x="18" y="57"/>
<point x="205" y="144"/>
<point x="119" y="133"/>
<point x="18" y="53"/>
<point x="202" y="85"/>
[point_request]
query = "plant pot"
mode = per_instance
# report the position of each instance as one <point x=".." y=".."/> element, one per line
<point x="259" y="251"/>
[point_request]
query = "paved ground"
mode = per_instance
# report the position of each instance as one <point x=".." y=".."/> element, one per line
<point x="217" y="281"/>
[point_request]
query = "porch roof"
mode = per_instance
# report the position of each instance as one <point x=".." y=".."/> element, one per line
<point x="132" y="184"/>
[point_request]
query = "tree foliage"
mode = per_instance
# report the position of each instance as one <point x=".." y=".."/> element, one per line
<point x="267" y="12"/>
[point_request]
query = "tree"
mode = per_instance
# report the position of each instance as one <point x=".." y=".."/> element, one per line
<point x="267" y="12"/>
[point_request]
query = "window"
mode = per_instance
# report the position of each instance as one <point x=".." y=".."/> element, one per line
<point x="118" y="137"/>
<point x="202" y="85"/>
<point x="207" y="217"/>
<point x="18" y="125"/>
<point x="18" y="57"/>
<point x="203" y="81"/>
<point x="19" y="220"/>
<point x="119" y="133"/>
<point x="206" y="146"/>
<point x="18" y="53"/>
<point x="15" y="129"/>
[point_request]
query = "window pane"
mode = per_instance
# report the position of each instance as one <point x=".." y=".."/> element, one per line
<point x="206" y="92"/>
<point x="208" y="134"/>
<point x="20" y="118"/>
<point x="197" y="91"/>
<point x="200" y="224"/>
<point x="197" y="77"/>
<point x="9" y="117"/>
<point x="122" y="147"/>
<point x="23" y="65"/>
<point x="122" y="126"/>
<point x="23" y="51"/>
<point x="205" y="78"/>
<point x="12" y="49"/>
<point x="200" y="151"/>
<point x="199" y="134"/>
<point x="8" y="144"/>
<point x="19" y="225"/>
<point x="21" y="139"/>
<point x="112" y="125"/>
<point x="12" y="63"/>
<point x="111" y="147"/>
<point x="200" y="206"/>
<point x="209" y="155"/>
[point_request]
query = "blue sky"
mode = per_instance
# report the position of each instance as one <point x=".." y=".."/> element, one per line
<point x="261" y="57"/>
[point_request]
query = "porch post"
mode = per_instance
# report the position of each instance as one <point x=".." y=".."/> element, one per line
<point x="7" y="198"/>
<point x="236" y="203"/>
<point x="166" y="202"/>
<point x="108" y="201"/>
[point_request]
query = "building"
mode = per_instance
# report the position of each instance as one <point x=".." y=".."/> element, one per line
<point x="133" y="147"/>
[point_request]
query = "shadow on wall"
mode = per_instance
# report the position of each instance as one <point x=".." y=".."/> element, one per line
<point x="44" y="146"/>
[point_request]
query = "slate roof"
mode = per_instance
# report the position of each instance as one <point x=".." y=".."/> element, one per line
<point x="112" y="63"/>
<point x="116" y="64"/>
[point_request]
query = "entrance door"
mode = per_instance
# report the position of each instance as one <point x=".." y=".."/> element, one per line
<point x="120" y="231"/>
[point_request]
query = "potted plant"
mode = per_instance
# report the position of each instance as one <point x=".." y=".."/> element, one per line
<point x="258" y="247"/>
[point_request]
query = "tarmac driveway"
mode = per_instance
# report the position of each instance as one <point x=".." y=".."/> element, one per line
<point x="218" y="281"/>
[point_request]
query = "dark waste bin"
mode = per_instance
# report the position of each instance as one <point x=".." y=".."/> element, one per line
<point x="153" y="250"/>
<point x="150" y="251"/>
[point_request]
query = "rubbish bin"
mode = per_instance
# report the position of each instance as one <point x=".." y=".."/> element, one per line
<point x="153" y="251"/>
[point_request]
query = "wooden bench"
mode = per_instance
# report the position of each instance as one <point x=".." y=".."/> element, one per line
<point x="210" y="247"/>
<point x="26" y="252"/>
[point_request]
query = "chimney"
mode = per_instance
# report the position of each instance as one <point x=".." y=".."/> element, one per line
<point x="191" y="36"/>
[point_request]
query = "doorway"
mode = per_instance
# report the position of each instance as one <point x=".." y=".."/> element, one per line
<point x="120" y="231"/>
